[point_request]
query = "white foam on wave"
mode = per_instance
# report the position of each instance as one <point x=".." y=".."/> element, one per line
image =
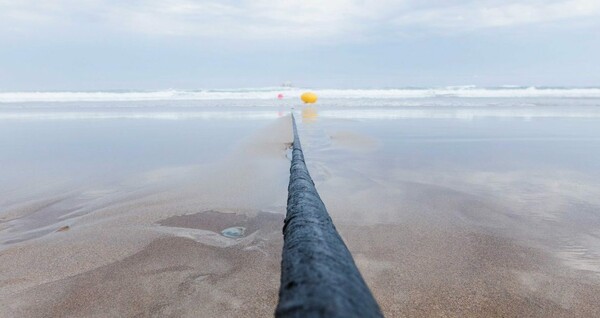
<point x="365" y="113"/>
<point x="270" y="93"/>
<point x="166" y="115"/>
<point x="459" y="113"/>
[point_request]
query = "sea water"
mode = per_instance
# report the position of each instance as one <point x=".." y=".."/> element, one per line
<point x="532" y="151"/>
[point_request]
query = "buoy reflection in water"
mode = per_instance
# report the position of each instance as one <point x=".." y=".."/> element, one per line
<point x="309" y="114"/>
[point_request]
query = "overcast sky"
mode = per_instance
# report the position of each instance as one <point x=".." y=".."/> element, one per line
<point x="159" y="44"/>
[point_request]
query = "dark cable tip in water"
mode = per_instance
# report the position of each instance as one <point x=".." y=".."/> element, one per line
<point x="318" y="275"/>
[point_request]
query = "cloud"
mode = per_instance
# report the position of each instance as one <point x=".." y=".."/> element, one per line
<point x="279" y="19"/>
<point x="475" y="16"/>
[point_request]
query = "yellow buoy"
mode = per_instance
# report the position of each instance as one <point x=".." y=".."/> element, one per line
<point x="309" y="97"/>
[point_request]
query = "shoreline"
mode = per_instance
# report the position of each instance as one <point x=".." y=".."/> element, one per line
<point x="436" y="226"/>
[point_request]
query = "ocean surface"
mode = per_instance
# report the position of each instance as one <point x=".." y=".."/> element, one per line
<point x="268" y="93"/>
<point x="453" y="200"/>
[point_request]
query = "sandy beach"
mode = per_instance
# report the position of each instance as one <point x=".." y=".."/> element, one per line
<point x="292" y="159"/>
<point x="459" y="212"/>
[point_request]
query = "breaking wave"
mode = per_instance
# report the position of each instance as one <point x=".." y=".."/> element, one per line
<point x="270" y="93"/>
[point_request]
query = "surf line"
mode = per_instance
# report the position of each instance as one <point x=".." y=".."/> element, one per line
<point x="318" y="275"/>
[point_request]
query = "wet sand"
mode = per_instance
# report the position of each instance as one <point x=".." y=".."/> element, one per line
<point x="171" y="276"/>
<point x="425" y="272"/>
<point x="466" y="218"/>
<point x="151" y="246"/>
<point x="432" y="235"/>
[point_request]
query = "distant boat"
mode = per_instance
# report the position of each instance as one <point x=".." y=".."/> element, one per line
<point x="286" y="84"/>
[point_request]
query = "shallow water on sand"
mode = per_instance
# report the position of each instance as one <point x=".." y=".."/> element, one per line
<point x="448" y="211"/>
<point x="87" y="208"/>
<point x="481" y="197"/>
<point x="58" y="169"/>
